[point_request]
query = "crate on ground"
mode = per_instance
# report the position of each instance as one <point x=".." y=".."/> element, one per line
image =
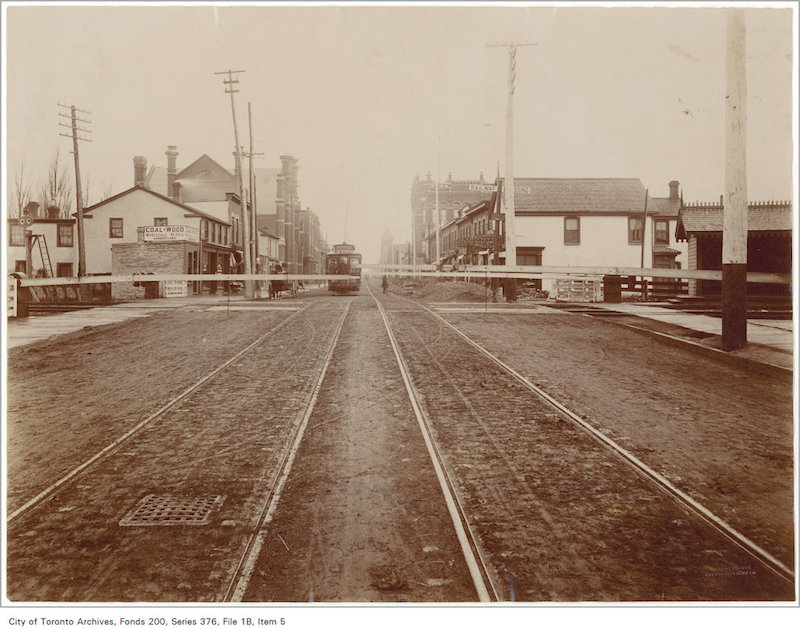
<point x="579" y="290"/>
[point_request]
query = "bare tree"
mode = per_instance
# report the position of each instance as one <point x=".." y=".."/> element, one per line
<point x="21" y="192"/>
<point x="85" y="191"/>
<point x="108" y="189"/>
<point x="57" y="190"/>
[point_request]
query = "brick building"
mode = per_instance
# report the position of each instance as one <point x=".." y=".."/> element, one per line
<point x="453" y="195"/>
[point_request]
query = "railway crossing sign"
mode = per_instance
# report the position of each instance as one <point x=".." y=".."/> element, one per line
<point x="26" y="220"/>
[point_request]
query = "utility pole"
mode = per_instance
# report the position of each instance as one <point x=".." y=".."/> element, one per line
<point x="511" y="243"/>
<point x="248" y="286"/>
<point x="75" y="129"/>
<point x="644" y="234"/>
<point x="734" y="221"/>
<point x="438" y="215"/>
<point x="253" y="195"/>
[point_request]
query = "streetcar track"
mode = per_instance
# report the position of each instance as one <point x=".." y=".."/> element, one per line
<point x="246" y="564"/>
<point x="111" y="448"/>
<point x="473" y="555"/>
<point x="762" y="556"/>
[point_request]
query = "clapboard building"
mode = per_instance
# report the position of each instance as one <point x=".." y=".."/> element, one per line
<point x="769" y="243"/>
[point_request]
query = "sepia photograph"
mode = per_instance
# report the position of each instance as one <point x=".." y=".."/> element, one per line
<point x="405" y="312"/>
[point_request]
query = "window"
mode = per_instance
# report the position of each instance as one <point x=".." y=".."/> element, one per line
<point x="19" y="266"/>
<point x="634" y="230"/>
<point x="205" y="230"/>
<point x="572" y="230"/>
<point x="662" y="231"/>
<point x="16" y="235"/>
<point x="115" y="228"/>
<point x="213" y="232"/>
<point x="64" y="236"/>
<point x="64" y="269"/>
<point x="159" y="221"/>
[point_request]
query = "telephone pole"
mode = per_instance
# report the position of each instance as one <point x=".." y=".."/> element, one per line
<point x="438" y="215"/>
<point x="511" y="243"/>
<point x="230" y="82"/>
<point x="74" y="134"/>
<point x="734" y="217"/>
<point x="253" y="199"/>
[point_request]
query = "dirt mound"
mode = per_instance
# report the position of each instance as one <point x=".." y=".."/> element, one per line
<point x="449" y="291"/>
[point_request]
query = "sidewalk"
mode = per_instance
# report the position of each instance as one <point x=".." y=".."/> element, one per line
<point x="769" y="341"/>
<point x="29" y="330"/>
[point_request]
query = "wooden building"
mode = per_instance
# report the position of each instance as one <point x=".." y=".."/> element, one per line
<point x="769" y="243"/>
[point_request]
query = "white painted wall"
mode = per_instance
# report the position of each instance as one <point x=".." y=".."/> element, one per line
<point x="57" y="254"/>
<point x="137" y="209"/>
<point x="603" y="242"/>
<point x="268" y="246"/>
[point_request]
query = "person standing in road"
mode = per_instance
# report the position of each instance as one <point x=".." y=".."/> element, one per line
<point x="385" y="284"/>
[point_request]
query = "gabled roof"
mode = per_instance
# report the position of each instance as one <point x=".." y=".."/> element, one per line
<point x="706" y="218"/>
<point x="134" y="189"/>
<point x="202" y="164"/>
<point x="665" y="206"/>
<point x="205" y="179"/>
<point x="605" y="196"/>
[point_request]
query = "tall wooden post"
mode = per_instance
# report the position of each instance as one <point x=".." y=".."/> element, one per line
<point x="511" y="236"/>
<point x="644" y="239"/>
<point x="734" y="222"/>
<point x="248" y="285"/>
<point x="74" y="134"/>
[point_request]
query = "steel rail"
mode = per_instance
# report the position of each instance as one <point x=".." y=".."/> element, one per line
<point x="244" y="569"/>
<point x="466" y="537"/>
<point x="761" y="555"/>
<point x="50" y="491"/>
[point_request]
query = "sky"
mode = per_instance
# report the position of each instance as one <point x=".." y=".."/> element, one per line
<point x="368" y="97"/>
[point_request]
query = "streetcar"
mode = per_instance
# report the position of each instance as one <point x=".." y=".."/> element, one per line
<point x="344" y="260"/>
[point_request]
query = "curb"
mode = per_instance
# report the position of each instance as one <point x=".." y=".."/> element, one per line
<point x="750" y="364"/>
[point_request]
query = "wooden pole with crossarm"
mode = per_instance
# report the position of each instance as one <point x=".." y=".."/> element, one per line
<point x="229" y="83"/>
<point x="75" y="130"/>
<point x="511" y="243"/>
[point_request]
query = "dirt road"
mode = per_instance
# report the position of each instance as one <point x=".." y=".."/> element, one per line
<point x="361" y="515"/>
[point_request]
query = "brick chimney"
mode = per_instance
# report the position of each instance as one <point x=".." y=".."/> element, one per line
<point x="172" y="170"/>
<point x="139" y="170"/>
<point x="673" y="190"/>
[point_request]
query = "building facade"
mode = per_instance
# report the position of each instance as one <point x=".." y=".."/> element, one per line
<point x="206" y="185"/>
<point x="54" y="251"/>
<point x="769" y="243"/>
<point x="453" y="195"/>
<point x="566" y="223"/>
<point x="140" y="215"/>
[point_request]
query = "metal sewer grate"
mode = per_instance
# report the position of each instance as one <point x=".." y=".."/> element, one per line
<point x="168" y="509"/>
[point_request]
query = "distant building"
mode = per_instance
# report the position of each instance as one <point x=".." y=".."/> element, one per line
<point x="567" y="222"/>
<point x="205" y="185"/>
<point x="453" y="195"/>
<point x="769" y="243"/>
<point x="471" y="237"/>
<point x="394" y="253"/>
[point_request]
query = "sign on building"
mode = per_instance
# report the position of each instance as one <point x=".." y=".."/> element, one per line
<point x="169" y="233"/>
<point x="12" y="296"/>
<point x="175" y="288"/>
<point x="485" y="187"/>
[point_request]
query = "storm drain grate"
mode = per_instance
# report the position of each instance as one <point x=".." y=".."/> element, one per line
<point x="168" y="509"/>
